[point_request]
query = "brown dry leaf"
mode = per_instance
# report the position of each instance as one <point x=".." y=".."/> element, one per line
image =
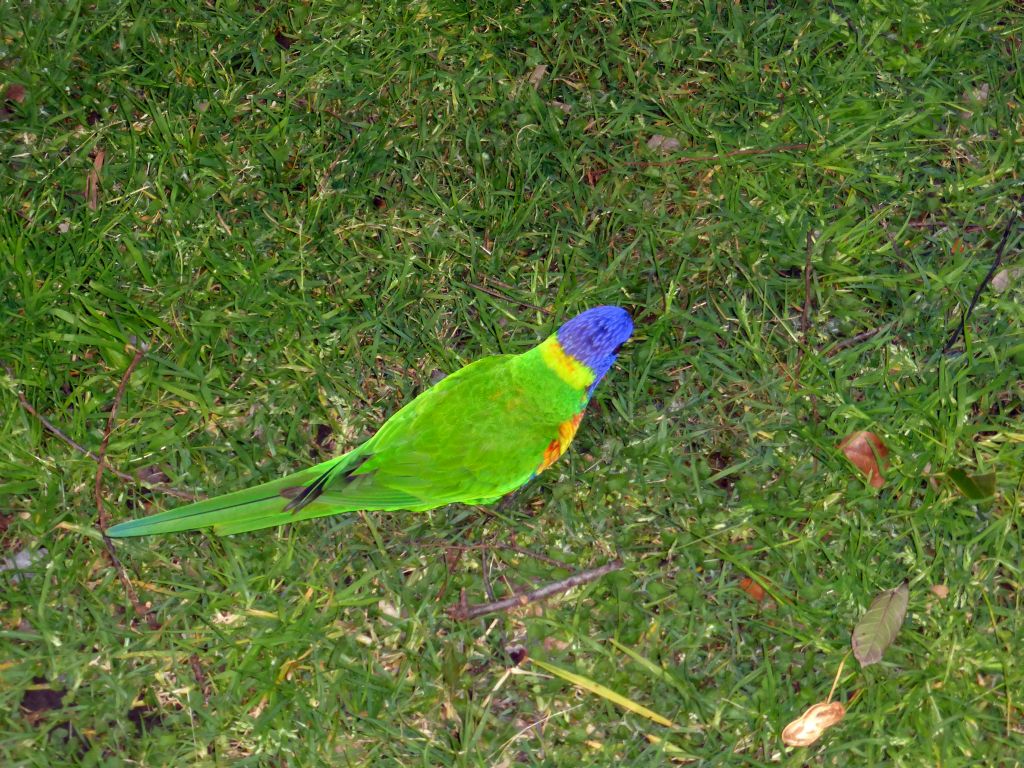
<point x="752" y="588"/>
<point x="15" y="92"/>
<point x="537" y="76"/>
<point x="807" y="728"/>
<point x="663" y="144"/>
<point x="92" y="181"/>
<point x="152" y="474"/>
<point x="1005" y="279"/>
<point x="554" y="644"/>
<point x="868" y="453"/>
<point x="283" y="40"/>
<point x="593" y="175"/>
<point x="941" y="591"/>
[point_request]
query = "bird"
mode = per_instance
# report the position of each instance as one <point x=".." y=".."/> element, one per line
<point x="475" y="436"/>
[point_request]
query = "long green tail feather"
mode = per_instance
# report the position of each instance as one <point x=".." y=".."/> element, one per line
<point x="261" y="506"/>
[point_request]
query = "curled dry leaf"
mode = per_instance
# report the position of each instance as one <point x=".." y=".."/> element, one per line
<point x="868" y="453"/>
<point x="92" y="181"/>
<point x="807" y="728"/>
<point x="878" y="627"/>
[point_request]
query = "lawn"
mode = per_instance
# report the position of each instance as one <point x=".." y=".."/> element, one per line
<point x="293" y="218"/>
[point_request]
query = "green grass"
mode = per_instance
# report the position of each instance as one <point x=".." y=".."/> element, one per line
<point x="299" y="231"/>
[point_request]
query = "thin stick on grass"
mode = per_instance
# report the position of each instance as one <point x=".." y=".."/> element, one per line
<point x="101" y="455"/>
<point x="805" y="317"/>
<point x="965" y="314"/>
<point x="101" y="513"/>
<point x="510" y="299"/>
<point x="463" y="612"/>
<point x="853" y="341"/>
<point x="897" y="251"/>
<point x="715" y="158"/>
<point x="805" y="313"/>
<point x="57" y="432"/>
<point x="200" y="676"/>
<point x="498" y="547"/>
<point x="485" y="571"/>
<point x="129" y="589"/>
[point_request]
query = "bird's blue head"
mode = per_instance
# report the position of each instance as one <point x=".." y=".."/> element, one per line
<point x="593" y="339"/>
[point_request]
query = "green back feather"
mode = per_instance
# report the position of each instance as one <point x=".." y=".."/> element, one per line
<point x="473" y="437"/>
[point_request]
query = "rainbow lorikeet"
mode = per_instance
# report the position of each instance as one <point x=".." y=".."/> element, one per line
<point x="476" y="435"/>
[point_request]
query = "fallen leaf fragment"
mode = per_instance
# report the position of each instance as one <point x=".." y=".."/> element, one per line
<point x="663" y="144"/>
<point x="807" y="728"/>
<point x="974" y="487"/>
<point x="868" y="453"/>
<point x="753" y="589"/>
<point x="1006" y="278"/>
<point x="552" y="643"/>
<point x="40" y="698"/>
<point x="15" y="92"/>
<point x="284" y="40"/>
<point x="878" y="627"/>
<point x="941" y="591"/>
<point x="92" y="181"/>
<point x="152" y="474"/>
<point x="593" y="175"/>
<point x="537" y="76"/>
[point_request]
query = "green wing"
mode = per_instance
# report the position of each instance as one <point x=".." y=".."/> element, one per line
<point x="473" y="437"/>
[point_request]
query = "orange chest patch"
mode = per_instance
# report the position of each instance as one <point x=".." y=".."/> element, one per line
<point x="566" y="432"/>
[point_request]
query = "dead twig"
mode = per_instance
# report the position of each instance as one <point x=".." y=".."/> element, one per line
<point x="969" y="229"/>
<point x="855" y="340"/>
<point x="510" y="299"/>
<point x="897" y="251"/>
<point x="498" y="546"/>
<point x="805" y="313"/>
<point x="961" y="328"/>
<point x="57" y="432"/>
<point x="533" y="555"/>
<point x="200" y="676"/>
<point x="805" y="317"/>
<point x="129" y="589"/>
<point x="101" y="513"/>
<point x="715" y="158"/>
<point x="101" y="456"/>
<point x="485" y="570"/>
<point x="465" y="612"/>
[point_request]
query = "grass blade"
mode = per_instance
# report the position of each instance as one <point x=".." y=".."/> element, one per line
<point x="605" y="693"/>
